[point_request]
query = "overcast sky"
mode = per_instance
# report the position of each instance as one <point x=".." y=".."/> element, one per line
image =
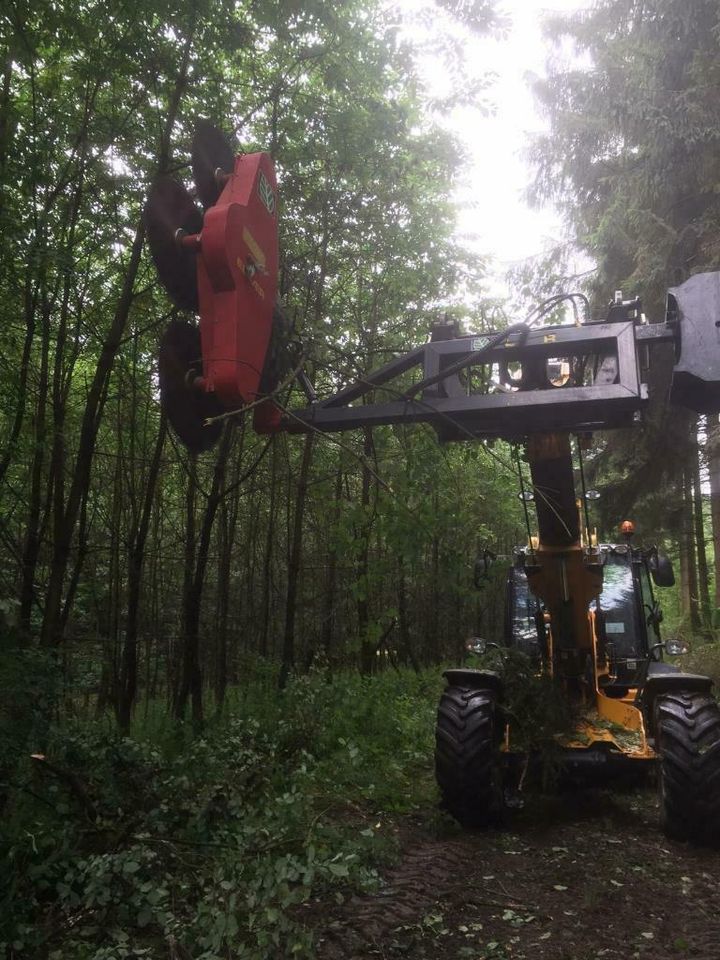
<point x="494" y="217"/>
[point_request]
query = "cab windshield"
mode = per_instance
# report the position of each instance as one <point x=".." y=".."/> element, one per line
<point x="524" y="609"/>
<point x="617" y="609"/>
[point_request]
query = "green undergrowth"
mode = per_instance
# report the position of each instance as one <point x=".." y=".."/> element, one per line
<point x="703" y="659"/>
<point x="536" y="707"/>
<point x="540" y="716"/>
<point x="216" y="846"/>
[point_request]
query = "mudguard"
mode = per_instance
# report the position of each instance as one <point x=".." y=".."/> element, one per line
<point x="475" y="679"/>
<point x="660" y="682"/>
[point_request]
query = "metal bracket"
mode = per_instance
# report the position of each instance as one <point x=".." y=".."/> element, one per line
<point x="459" y="412"/>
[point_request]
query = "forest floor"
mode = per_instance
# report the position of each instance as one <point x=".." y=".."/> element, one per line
<point x="307" y="825"/>
<point x="578" y="876"/>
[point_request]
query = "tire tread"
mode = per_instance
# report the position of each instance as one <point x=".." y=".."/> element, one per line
<point x="467" y="757"/>
<point x="687" y="726"/>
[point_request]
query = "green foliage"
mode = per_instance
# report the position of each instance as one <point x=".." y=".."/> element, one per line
<point x="539" y="713"/>
<point x="536" y="707"/>
<point x="631" y="157"/>
<point x="27" y="679"/>
<point x="633" y="149"/>
<point x="705" y="660"/>
<point x="217" y="843"/>
<point x="93" y="103"/>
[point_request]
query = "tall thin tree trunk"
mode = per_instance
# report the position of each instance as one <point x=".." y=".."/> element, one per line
<point x="31" y="547"/>
<point x="228" y="526"/>
<point x="268" y="558"/>
<point x="367" y="651"/>
<point x="127" y="686"/>
<point x="250" y="584"/>
<point x="188" y="572"/>
<point x="713" y="453"/>
<point x="191" y="679"/>
<point x="222" y="603"/>
<point x="328" y="617"/>
<point x="6" y="117"/>
<point x="115" y="569"/>
<point x="30" y="297"/>
<point x="699" y="527"/>
<point x="288" y="649"/>
<point x="67" y="512"/>
<point x="688" y="562"/>
<point x="403" y="623"/>
<point x="69" y="508"/>
<point x="432" y="635"/>
<point x="156" y="637"/>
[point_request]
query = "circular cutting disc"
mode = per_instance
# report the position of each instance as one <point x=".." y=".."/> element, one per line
<point x="187" y="407"/>
<point x="277" y="360"/>
<point x="211" y="150"/>
<point x="170" y="208"/>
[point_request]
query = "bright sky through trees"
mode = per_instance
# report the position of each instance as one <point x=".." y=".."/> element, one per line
<point x="495" y="217"/>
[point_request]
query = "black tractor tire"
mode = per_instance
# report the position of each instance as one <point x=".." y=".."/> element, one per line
<point x="687" y="742"/>
<point x="468" y="764"/>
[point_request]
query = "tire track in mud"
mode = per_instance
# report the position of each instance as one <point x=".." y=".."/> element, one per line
<point x="427" y="872"/>
<point x="586" y="877"/>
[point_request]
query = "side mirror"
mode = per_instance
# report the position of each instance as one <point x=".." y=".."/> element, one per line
<point x="478" y="646"/>
<point x="676" y="648"/>
<point x="661" y="569"/>
<point x="481" y="572"/>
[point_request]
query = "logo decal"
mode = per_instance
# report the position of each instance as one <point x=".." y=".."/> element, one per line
<point x="254" y="248"/>
<point x="267" y="194"/>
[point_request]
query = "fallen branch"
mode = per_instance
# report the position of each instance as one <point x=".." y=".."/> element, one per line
<point x="71" y="780"/>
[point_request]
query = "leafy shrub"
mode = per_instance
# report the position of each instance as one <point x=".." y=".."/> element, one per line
<point x="703" y="659"/>
<point x="537" y="709"/>
<point x="119" y="847"/>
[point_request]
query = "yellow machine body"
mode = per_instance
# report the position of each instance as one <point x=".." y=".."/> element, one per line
<point x="565" y="574"/>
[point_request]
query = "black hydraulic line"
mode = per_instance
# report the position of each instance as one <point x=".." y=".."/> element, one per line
<point x="584" y="492"/>
<point x="306" y="384"/>
<point x="468" y="360"/>
<point x="524" y="501"/>
<point x="543" y="308"/>
<point x="476" y="355"/>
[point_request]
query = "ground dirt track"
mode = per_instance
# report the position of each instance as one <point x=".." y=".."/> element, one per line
<point x="580" y="876"/>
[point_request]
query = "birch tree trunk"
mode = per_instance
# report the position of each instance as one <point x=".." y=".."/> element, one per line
<point x="713" y="454"/>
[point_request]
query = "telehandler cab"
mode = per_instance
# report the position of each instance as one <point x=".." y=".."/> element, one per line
<point x="596" y="622"/>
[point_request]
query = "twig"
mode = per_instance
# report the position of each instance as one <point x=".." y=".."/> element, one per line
<point x="177" y="950"/>
<point x="71" y="780"/>
<point x="255" y="403"/>
<point x="510" y="904"/>
<point x="361" y="458"/>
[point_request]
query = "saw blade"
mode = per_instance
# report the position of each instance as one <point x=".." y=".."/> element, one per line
<point x="170" y="208"/>
<point x="187" y="407"/>
<point x="211" y="150"/>
<point x="277" y="360"/>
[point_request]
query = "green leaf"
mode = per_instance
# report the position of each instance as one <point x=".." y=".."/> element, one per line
<point x="144" y="917"/>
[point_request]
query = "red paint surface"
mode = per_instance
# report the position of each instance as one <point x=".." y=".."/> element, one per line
<point x="237" y="277"/>
<point x="267" y="417"/>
